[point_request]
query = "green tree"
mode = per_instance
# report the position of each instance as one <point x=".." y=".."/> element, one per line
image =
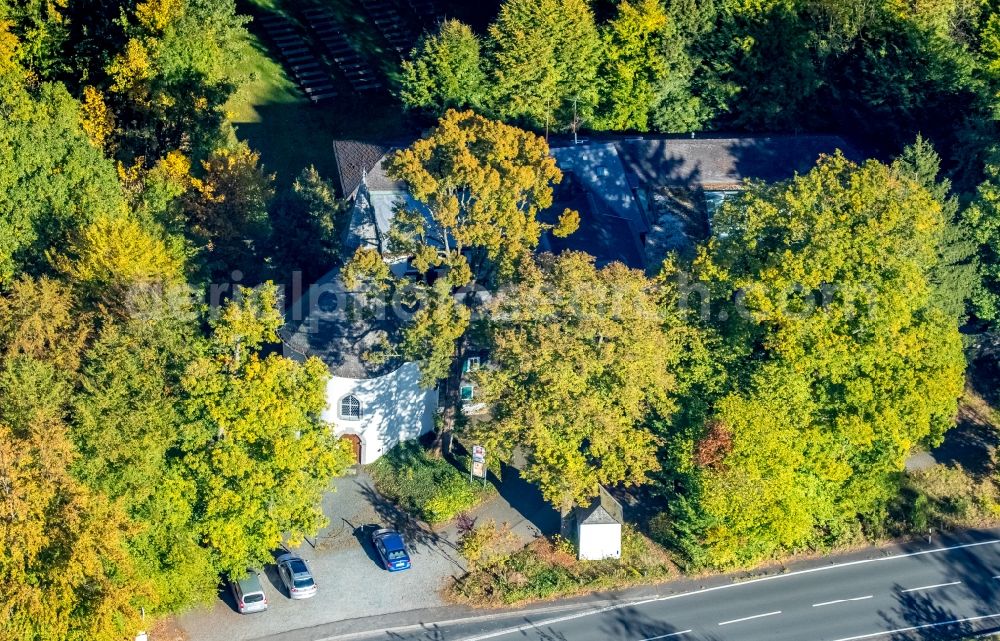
<point x="430" y="337"/>
<point x="127" y="426"/>
<point x="955" y="276"/>
<point x="171" y="74"/>
<point x="847" y="364"/>
<point x="444" y="71"/>
<point x="645" y="71"/>
<point x="255" y="450"/>
<point x="544" y="56"/>
<point x="52" y="179"/>
<point x="42" y="30"/>
<point x="227" y="210"/>
<point x="763" y="70"/>
<point x="307" y="224"/>
<point x="64" y="568"/>
<point x="583" y="357"/>
<point x="984" y="218"/>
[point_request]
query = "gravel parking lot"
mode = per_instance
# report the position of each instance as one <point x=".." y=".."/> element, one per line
<point x="351" y="582"/>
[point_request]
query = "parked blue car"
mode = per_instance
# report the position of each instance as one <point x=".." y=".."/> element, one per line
<point x="390" y="548"/>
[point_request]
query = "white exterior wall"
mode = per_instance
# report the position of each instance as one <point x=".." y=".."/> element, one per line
<point x="394" y="408"/>
<point x="598" y="541"/>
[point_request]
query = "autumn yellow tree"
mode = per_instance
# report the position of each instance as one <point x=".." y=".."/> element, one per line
<point x="113" y="254"/>
<point x="479" y="186"/>
<point x="582" y="358"/>
<point x="841" y="361"/>
<point x="65" y="573"/>
<point x="483" y="184"/>
<point x="227" y="209"/>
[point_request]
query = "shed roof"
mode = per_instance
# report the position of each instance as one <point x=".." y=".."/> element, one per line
<point x="603" y="509"/>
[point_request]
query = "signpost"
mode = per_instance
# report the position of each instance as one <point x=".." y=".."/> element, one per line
<point x="478" y="463"/>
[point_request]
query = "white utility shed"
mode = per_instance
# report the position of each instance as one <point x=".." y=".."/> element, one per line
<point x="599" y="528"/>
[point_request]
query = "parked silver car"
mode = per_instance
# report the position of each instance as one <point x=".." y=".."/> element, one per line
<point x="296" y="576"/>
<point x="249" y="593"/>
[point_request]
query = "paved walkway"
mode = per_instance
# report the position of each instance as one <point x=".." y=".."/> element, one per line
<point x="519" y="504"/>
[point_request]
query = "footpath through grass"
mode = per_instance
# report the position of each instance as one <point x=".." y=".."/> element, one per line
<point x="429" y="487"/>
<point x="960" y="488"/>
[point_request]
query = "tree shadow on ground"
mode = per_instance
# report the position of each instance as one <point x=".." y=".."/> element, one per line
<point x="920" y="617"/>
<point x="630" y="623"/>
<point x="225" y="594"/>
<point x="416" y="534"/>
<point x="428" y="632"/>
<point x="972" y="442"/>
<point x="433" y="632"/>
<point x="527" y="500"/>
<point x="362" y="534"/>
<point x="294" y="135"/>
<point x="945" y="613"/>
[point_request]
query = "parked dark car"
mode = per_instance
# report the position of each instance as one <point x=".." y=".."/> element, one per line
<point x="391" y="549"/>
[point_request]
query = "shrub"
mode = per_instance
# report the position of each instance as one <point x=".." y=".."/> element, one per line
<point x="548" y="569"/>
<point x="487" y="544"/>
<point x="428" y="487"/>
<point x="945" y="497"/>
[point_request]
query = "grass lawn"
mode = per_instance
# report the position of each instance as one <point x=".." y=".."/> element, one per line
<point x="291" y="133"/>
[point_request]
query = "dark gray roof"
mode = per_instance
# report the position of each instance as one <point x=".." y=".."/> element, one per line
<point x="600" y="179"/>
<point x="714" y="164"/>
<point x="606" y="237"/>
<point x="339" y="327"/>
<point x="598" y="168"/>
<point x="603" y="509"/>
<point x="355" y="158"/>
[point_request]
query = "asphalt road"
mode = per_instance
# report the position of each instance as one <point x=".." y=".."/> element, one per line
<point x="939" y="593"/>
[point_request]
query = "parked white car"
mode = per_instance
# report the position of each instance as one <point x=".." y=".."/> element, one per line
<point x="249" y="593"/>
<point x="296" y="576"/>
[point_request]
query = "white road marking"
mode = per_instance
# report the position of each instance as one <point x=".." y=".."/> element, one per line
<point x="548" y="622"/>
<point x="664" y="636"/>
<point x="857" y="598"/>
<point x="756" y="616"/>
<point x="727" y="586"/>
<point x="920" y="627"/>
<point x="931" y="587"/>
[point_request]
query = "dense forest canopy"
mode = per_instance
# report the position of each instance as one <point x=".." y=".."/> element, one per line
<point x="136" y="412"/>
<point x="881" y="72"/>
